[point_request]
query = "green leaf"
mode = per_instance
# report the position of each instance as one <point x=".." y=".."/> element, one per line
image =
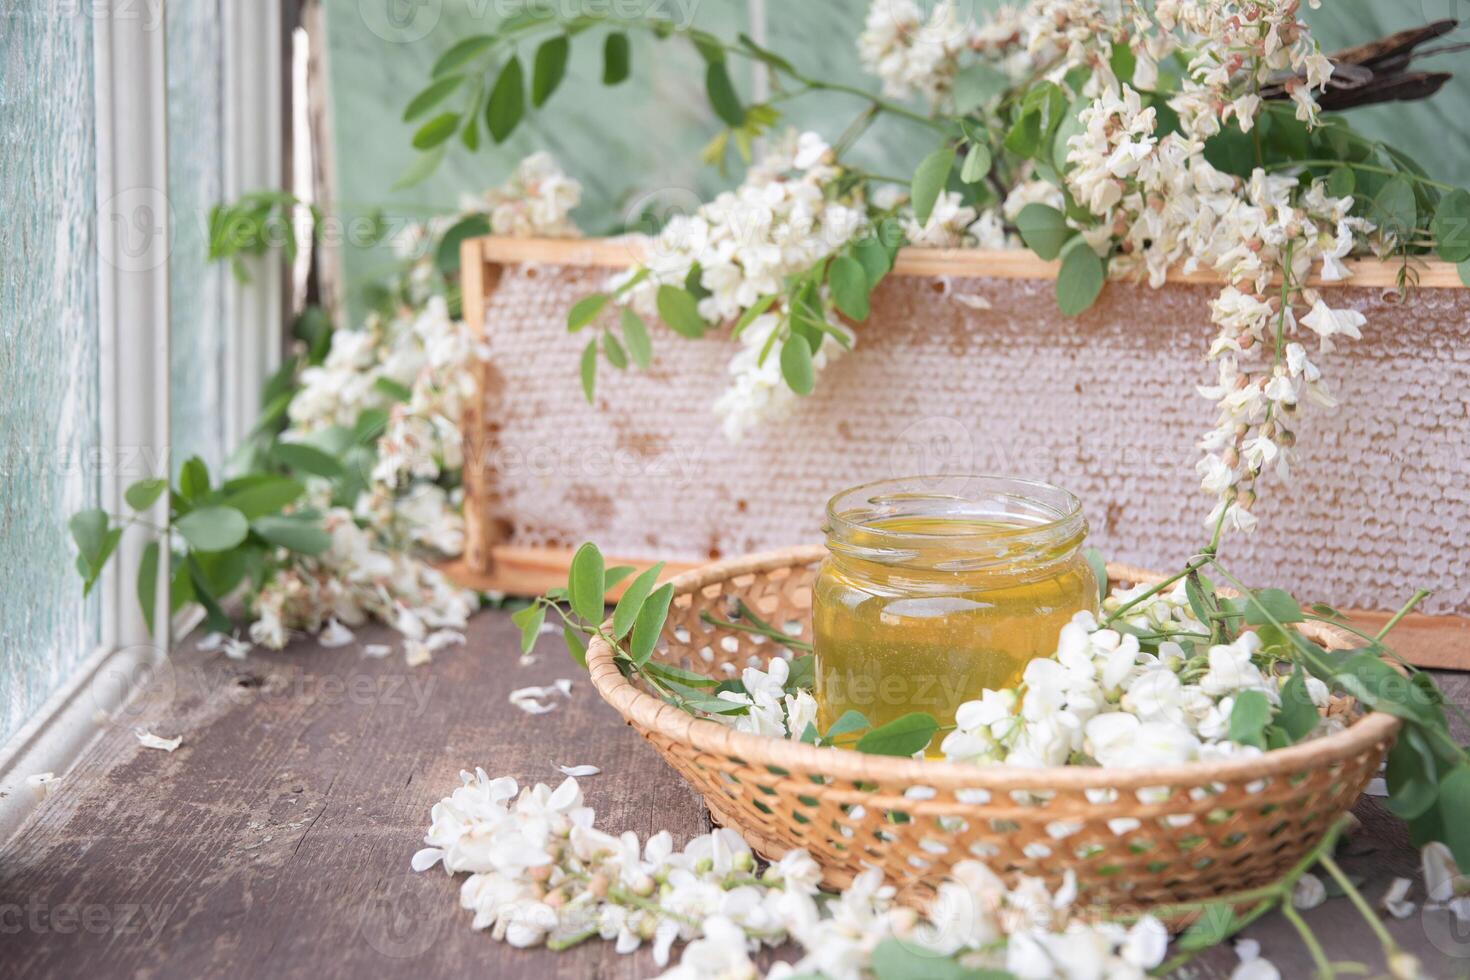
<point x="447" y="255"/>
<point x="396" y="390"/>
<point x="1454" y="803"/>
<point x="419" y="171"/>
<point x="1215" y="924"/>
<point x="148" y="582"/>
<point x="305" y="458"/>
<point x="977" y="163"/>
<point x="1298" y="715"/>
<point x="585" y="583"/>
<point x="193" y="479"/>
<point x="266" y="496"/>
<point x="507" y="103"/>
<point x="213" y="528"/>
<point x="1099" y="566"/>
<point x="585" y="311"/>
<point x="929" y="179"/>
<point x="722" y="96"/>
<point x="302" y="535"/>
<point x="1123" y="61"/>
<point x="550" y="68"/>
<point x="632" y="601"/>
<point x="1394" y="209"/>
<point x="1080" y="279"/>
<point x="895" y="959"/>
<point x="796" y="364"/>
<point x="435" y="93"/>
<point x="576" y="646"/>
<point x="902" y="737"/>
<point x="851" y="721"/>
<point x="802" y="674"/>
<point x="1270" y="605"/>
<point x="89" y="531"/>
<point x="143" y="494"/>
<point x="616" y="356"/>
<point x="1451" y="226"/>
<point x="635" y="335"/>
<point x="1340" y="182"/>
<point x="875" y="260"/>
<point x="686" y="677"/>
<point x="614" y="575"/>
<point x="463" y="53"/>
<point x="680" y="310"/>
<point x="1412" y="790"/>
<point x="589" y="370"/>
<point x="649" y="623"/>
<point x="849" y="282"/>
<point x="528" y="621"/>
<point x="617" y="59"/>
<point x="977" y="85"/>
<point x="1044" y="230"/>
<point x="1024" y="136"/>
<point x="215" y="617"/>
<point x="436" y="131"/>
<point x="766" y="55"/>
<point x="1377" y="685"/>
<point x="1248" y="719"/>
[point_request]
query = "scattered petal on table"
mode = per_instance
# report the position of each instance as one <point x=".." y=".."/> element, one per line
<point x="335" y="635"/>
<point x="578" y="771"/>
<point x="151" y="741"/>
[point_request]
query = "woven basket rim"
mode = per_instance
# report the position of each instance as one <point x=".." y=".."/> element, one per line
<point x="655" y="715"/>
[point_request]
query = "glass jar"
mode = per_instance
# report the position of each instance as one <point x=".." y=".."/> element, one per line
<point x="936" y="588"/>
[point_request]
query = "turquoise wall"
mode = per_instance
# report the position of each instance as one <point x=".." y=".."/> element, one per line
<point x="48" y="350"/>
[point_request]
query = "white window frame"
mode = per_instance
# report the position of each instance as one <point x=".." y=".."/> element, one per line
<point x="131" y="101"/>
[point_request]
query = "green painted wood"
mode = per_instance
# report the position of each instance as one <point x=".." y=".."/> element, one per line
<point x="48" y="349"/>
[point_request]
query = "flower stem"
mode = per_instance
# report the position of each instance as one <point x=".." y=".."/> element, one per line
<point x="1309" y="939"/>
<point x="1390" y="946"/>
<point x="1407" y="607"/>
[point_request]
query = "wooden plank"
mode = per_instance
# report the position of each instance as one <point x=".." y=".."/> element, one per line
<point x="478" y="278"/>
<point x="275" y="842"/>
<point x="959" y="263"/>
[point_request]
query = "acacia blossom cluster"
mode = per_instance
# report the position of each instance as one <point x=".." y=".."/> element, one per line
<point x="785" y="218"/>
<point x="411" y="366"/>
<point x="1166" y="206"/>
<point x="1102" y="700"/>
<point x="541" y="873"/>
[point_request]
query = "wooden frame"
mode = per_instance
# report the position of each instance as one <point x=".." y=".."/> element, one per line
<point x="493" y="564"/>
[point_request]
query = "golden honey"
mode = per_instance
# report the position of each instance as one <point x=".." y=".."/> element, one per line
<point x="938" y="588"/>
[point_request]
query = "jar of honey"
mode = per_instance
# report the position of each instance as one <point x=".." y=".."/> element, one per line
<point x="936" y="588"/>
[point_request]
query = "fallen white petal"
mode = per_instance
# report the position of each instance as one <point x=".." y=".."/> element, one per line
<point x="211" y="642"/>
<point x="425" y="859"/>
<point x="564" y="686"/>
<point x="527" y="659"/>
<point x="575" y="771"/>
<point x="376" y="650"/>
<point x="531" y="706"/>
<point x="416" y="653"/>
<point x="1308" y="892"/>
<point x="237" y="649"/>
<point x="972" y="301"/>
<point x="40" y="784"/>
<point x="1395" y="900"/>
<point x="444" y="638"/>
<point x="151" y="741"/>
<point x="335" y="635"/>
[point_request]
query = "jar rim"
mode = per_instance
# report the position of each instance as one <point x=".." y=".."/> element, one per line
<point x="1027" y="513"/>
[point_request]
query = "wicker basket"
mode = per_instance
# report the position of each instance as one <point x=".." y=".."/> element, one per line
<point x="1136" y="839"/>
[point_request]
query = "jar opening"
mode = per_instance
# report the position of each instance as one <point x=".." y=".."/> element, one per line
<point x="955" y="522"/>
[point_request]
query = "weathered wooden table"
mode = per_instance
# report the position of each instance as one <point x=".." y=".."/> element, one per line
<point x="276" y="841"/>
